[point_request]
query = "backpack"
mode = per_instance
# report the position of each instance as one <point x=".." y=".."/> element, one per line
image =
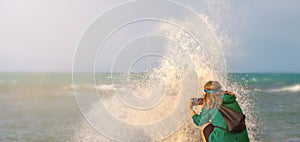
<point x="234" y="121"/>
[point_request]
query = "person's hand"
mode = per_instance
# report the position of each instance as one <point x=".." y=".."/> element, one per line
<point x="190" y="104"/>
<point x="203" y="104"/>
<point x="190" y="107"/>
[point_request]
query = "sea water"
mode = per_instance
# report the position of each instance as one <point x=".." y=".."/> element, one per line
<point x="42" y="107"/>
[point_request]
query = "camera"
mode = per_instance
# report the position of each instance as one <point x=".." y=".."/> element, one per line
<point x="197" y="101"/>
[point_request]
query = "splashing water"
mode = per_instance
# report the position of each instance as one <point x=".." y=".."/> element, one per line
<point x="193" y="52"/>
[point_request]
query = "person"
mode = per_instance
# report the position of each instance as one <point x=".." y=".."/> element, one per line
<point x="212" y="119"/>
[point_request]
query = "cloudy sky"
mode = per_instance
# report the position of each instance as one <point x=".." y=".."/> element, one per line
<point x="42" y="35"/>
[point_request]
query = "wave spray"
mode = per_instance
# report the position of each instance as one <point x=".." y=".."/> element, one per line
<point x="148" y="102"/>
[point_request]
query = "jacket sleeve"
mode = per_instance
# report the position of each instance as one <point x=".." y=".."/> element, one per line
<point x="202" y="118"/>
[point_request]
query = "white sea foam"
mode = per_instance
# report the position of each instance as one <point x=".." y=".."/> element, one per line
<point x="102" y="87"/>
<point x="293" y="88"/>
<point x="254" y="79"/>
<point x="108" y="87"/>
<point x="257" y="90"/>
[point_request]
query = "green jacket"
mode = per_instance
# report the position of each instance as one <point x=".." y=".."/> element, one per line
<point x="219" y="135"/>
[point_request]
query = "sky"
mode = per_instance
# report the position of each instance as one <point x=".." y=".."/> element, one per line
<point x="269" y="37"/>
<point x="41" y="36"/>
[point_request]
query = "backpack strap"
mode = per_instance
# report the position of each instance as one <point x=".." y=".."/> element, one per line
<point x="221" y="128"/>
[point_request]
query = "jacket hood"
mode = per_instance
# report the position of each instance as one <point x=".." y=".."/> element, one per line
<point x="228" y="98"/>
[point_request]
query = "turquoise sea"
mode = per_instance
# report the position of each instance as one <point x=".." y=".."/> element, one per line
<point x="42" y="106"/>
<point x="276" y="99"/>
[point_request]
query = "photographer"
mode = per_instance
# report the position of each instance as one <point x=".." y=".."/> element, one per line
<point x="214" y="128"/>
